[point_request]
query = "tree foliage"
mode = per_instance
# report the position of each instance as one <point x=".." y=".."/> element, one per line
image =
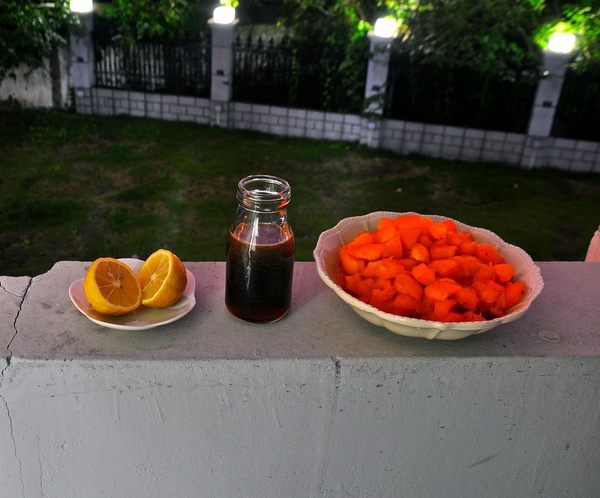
<point x="136" y="20"/>
<point x="495" y="36"/>
<point x="583" y="20"/>
<point x="29" y="30"/>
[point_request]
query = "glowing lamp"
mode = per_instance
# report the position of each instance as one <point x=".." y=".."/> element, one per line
<point x="385" y="27"/>
<point x="561" y="43"/>
<point x="224" y="15"/>
<point x="81" y="6"/>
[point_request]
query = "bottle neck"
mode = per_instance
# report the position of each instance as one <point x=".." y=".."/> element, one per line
<point x="264" y="194"/>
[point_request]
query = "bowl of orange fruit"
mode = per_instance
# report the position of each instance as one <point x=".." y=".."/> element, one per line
<point x="426" y="276"/>
<point x="134" y="294"/>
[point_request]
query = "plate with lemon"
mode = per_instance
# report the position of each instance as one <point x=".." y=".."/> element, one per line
<point x="132" y="294"/>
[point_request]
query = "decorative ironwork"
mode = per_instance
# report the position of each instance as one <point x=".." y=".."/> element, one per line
<point x="179" y="67"/>
<point x="301" y="74"/>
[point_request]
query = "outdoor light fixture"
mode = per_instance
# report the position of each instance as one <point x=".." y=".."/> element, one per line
<point x="561" y="43"/>
<point x="224" y="15"/>
<point x="81" y="6"/>
<point x="385" y="27"/>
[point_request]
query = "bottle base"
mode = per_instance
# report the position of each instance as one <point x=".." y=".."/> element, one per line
<point x="257" y="320"/>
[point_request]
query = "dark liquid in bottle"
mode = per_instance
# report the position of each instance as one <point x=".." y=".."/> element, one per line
<point x="259" y="271"/>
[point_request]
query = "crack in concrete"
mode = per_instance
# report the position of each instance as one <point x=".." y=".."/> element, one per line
<point x="8" y="359"/>
<point x="14" y="443"/>
<point x="331" y="425"/>
<point x="9" y="291"/>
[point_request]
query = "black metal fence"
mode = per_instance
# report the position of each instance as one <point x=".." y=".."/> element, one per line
<point x="317" y="75"/>
<point x="179" y="67"/>
<point x="309" y="74"/>
<point x="430" y="93"/>
<point x="578" y="110"/>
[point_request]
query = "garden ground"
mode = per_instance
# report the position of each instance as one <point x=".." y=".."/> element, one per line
<point x="79" y="187"/>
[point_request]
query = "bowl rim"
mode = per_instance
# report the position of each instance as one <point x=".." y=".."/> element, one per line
<point x="517" y="311"/>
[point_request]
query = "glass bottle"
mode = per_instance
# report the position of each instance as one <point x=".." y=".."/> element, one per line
<point x="260" y="251"/>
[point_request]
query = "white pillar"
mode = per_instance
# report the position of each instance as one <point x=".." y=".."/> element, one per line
<point x="377" y="73"/>
<point x="82" y="54"/>
<point x="375" y="89"/>
<point x="548" y="94"/>
<point x="223" y="36"/>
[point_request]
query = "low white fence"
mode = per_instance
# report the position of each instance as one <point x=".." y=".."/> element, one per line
<point x="404" y="137"/>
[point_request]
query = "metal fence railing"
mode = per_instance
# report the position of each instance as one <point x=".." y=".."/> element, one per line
<point x="180" y="67"/>
<point x="311" y="75"/>
<point x="314" y="74"/>
<point x="578" y="110"/>
<point x="464" y="97"/>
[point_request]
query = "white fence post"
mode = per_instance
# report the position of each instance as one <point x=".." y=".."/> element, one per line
<point x="377" y="74"/>
<point x="83" y="76"/>
<point x="548" y="94"/>
<point x="223" y="36"/>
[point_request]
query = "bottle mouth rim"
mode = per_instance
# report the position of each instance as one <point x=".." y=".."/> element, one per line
<point x="264" y="188"/>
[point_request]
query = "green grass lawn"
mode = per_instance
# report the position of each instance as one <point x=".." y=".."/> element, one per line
<point x="78" y="187"/>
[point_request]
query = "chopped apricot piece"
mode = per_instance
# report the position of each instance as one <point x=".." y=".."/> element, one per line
<point x="369" y="252"/>
<point x="420" y="253"/>
<point x="438" y="230"/>
<point x="350" y="264"/>
<point x="452" y="228"/>
<point x="484" y="272"/>
<point x="498" y="307"/>
<point x="472" y="316"/>
<point x="383" y="268"/>
<point x="446" y="268"/>
<point x="393" y="248"/>
<point x="487" y="290"/>
<point x="425" y="239"/>
<point x="405" y="305"/>
<point x="385" y="230"/>
<point x="406" y="284"/>
<point x="441" y="308"/>
<point x="504" y="272"/>
<point x="385" y="222"/>
<point x="383" y="292"/>
<point x="362" y="238"/>
<point x="409" y="236"/>
<point x="442" y="251"/>
<point x="488" y="254"/>
<point x="514" y="292"/>
<point x="467" y="297"/>
<point x="469" y="248"/>
<point x="409" y="263"/>
<point x="408" y="221"/>
<point x="470" y="264"/>
<point x="440" y="290"/>
<point x="423" y="274"/>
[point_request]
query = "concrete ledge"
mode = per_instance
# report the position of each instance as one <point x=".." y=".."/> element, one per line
<point x="321" y="403"/>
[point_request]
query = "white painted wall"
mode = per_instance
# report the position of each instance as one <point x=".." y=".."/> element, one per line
<point x="45" y="87"/>
<point x="29" y="88"/>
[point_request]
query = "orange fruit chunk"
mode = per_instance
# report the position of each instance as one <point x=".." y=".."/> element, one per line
<point x="111" y="287"/>
<point x="163" y="279"/>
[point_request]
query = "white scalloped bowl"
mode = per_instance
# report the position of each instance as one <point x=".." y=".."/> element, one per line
<point x="326" y="257"/>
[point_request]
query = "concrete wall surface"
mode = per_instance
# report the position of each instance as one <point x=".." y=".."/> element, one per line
<point x="44" y="87"/>
<point x="319" y="404"/>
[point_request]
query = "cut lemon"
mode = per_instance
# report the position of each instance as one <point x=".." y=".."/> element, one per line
<point x="163" y="279"/>
<point x="111" y="287"/>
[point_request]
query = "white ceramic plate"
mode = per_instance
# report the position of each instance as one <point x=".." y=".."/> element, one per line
<point x="346" y="230"/>
<point x="143" y="318"/>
